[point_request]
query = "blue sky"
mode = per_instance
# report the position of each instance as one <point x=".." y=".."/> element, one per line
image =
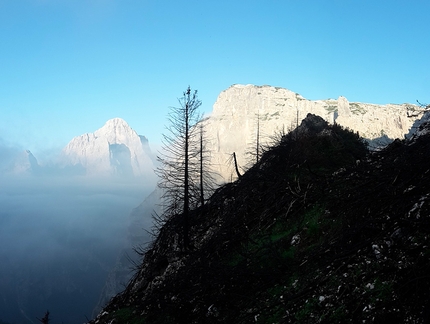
<point x="67" y="66"/>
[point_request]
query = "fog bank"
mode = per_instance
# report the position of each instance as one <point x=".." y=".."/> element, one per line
<point x="59" y="238"/>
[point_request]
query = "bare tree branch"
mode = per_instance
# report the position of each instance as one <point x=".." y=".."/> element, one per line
<point x="184" y="173"/>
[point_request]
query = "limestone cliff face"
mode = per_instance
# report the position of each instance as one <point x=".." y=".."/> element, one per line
<point x="373" y="121"/>
<point x="241" y="109"/>
<point x="114" y="149"/>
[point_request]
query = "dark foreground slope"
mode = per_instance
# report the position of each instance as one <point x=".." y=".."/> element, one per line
<point x="319" y="231"/>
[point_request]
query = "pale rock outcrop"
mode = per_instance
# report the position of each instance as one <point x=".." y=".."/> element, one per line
<point x="232" y="126"/>
<point x="343" y="107"/>
<point x="25" y="163"/>
<point x="114" y="149"/>
<point x="374" y="121"/>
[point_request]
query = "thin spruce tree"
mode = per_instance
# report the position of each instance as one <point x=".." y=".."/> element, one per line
<point x="183" y="163"/>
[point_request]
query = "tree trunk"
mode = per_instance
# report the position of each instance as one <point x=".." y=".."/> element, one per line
<point x="235" y="165"/>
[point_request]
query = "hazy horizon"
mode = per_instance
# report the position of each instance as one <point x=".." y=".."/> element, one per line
<point x="59" y="238"/>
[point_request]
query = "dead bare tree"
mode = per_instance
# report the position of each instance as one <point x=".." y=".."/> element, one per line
<point x="236" y="166"/>
<point x="414" y="111"/>
<point x="182" y="163"/>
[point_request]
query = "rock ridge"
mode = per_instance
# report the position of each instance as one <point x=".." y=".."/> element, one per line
<point x="239" y="109"/>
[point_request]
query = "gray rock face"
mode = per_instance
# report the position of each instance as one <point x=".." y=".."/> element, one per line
<point x="25" y="163"/>
<point x="232" y="126"/>
<point x="343" y="107"/>
<point x="114" y="149"/>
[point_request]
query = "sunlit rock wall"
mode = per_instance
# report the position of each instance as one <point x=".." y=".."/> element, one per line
<point x="241" y="110"/>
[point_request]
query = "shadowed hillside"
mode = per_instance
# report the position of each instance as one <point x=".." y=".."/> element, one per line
<point x="319" y="231"/>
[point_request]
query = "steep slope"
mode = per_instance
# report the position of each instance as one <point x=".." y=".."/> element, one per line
<point x="137" y="236"/>
<point x="114" y="149"/>
<point x="319" y="231"/>
<point x="25" y="163"/>
<point x="232" y="126"/>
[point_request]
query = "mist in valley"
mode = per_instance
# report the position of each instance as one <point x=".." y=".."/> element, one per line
<point x="60" y="236"/>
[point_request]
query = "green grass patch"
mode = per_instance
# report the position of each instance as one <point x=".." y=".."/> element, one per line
<point x="382" y="291"/>
<point x="127" y="316"/>
<point x="303" y="315"/>
<point x="289" y="253"/>
<point x="313" y="220"/>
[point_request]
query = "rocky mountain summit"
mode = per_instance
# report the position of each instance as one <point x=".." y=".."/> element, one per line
<point x="320" y="230"/>
<point x="243" y="111"/>
<point x="114" y="149"/>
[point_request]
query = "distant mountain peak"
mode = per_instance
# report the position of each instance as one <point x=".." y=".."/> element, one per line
<point x="116" y="131"/>
<point x="25" y="163"/>
<point x="114" y="149"/>
<point x="116" y="123"/>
